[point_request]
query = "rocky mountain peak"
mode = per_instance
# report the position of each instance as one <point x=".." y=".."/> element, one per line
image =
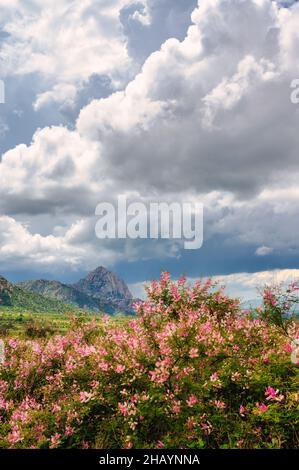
<point x="101" y="290"/>
<point x="5" y="291"/>
<point x="104" y="284"/>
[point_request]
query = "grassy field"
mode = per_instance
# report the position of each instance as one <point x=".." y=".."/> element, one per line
<point x="15" y="321"/>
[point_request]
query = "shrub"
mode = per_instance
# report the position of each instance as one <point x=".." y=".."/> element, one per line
<point x="37" y="329"/>
<point x="192" y="370"/>
<point x="5" y="327"/>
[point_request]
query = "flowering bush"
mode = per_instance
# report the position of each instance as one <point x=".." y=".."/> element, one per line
<point x="280" y="304"/>
<point x="190" y="371"/>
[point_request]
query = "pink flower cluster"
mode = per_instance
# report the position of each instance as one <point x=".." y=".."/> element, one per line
<point x="192" y="369"/>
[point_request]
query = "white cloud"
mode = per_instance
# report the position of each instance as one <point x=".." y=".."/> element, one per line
<point x="248" y="285"/>
<point x="67" y="250"/>
<point x="207" y="117"/>
<point x="245" y="286"/>
<point x="230" y="71"/>
<point x="62" y="94"/>
<point x="18" y="245"/>
<point x="263" y="250"/>
<point x="57" y="171"/>
<point x="230" y="92"/>
<point x="270" y="220"/>
<point x="64" y="42"/>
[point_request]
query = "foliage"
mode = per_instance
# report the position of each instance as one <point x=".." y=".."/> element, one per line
<point x="35" y="329"/>
<point x="37" y="303"/>
<point x="192" y="370"/>
<point x="13" y="297"/>
<point x="280" y="305"/>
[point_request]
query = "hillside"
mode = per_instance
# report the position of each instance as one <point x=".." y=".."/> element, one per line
<point x="14" y="296"/>
<point x="61" y="292"/>
<point x="101" y="290"/>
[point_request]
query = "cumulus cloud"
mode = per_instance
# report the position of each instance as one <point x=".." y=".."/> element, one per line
<point x="19" y="246"/>
<point x="57" y="171"/>
<point x="68" y="40"/>
<point x="245" y="286"/>
<point x="148" y="23"/>
<point x="208" y="117"/>
<point x="269" y="222"/>
<point x="64" y="43"/>
<point x="61" y="94"/>
<point x="229" y="73"/>
<point x="68" y="249"/>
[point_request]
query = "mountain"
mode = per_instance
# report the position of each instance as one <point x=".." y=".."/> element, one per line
<point x="6" y="290"/>
<point x="62" y="292"/>
<point x="14" y="296"/>
<point x="108" y="288"/>
<point x="100" y="290"/>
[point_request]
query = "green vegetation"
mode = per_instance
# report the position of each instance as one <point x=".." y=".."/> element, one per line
<point x="17" y="322"/>
<point x="29" y="314"/>
<point x="14" y="321"/>
<point x="37" y="303"/>
<point x="191" y="370"/>
<point x="12" y="296"/>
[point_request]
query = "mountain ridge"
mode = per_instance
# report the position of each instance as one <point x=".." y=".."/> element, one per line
<point x="11" y="295"/>
<point x="60" y="291"/>
<point x="99" y="290"/>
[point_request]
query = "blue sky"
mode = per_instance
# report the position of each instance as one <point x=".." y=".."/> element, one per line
<point x="171" y="100"/>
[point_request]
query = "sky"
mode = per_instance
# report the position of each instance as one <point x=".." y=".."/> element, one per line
<point x="156" y="100"/>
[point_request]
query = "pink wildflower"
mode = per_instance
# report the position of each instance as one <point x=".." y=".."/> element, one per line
<point x="220" y="404"/>
<point x="55" y="440"/>
<point x="15" y="436"/>
<point x="85" y="397"/>
<point x="206" y="427"/>
<point x="192" y="400"/>
<point x="272" y="394"/>
<point x="214" y="377"/>
<point x="176" y="407"/>
<point x="123" y="408"/>
<point x="261" y="408"/>
<point x="193" y="353"/>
